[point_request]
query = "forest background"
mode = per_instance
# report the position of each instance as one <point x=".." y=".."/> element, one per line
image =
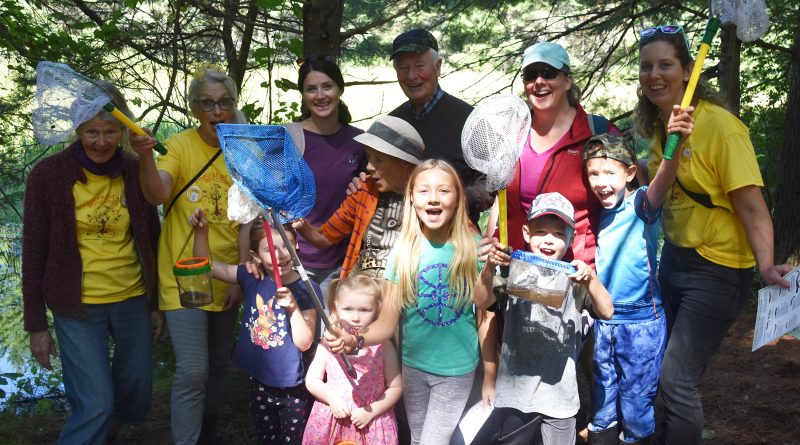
<point x="151" y="48"/>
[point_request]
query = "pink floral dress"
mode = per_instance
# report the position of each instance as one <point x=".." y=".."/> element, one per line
<point x="324" y="429"/>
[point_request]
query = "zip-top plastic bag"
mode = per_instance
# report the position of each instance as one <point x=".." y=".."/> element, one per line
<point x="538" y="279"/>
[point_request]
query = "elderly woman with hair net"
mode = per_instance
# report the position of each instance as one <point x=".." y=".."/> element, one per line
<point x="89" y="255"/>
<point x="193" y="175"/>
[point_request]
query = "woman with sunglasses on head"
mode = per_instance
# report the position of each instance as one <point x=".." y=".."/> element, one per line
<point x="716" y="225"/>
<point x="193" y="175"/>
<point x="331" y="153"/>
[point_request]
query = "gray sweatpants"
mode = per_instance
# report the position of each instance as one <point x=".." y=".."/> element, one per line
<point x="202" y="343"/>
<point x="434" y="404"/>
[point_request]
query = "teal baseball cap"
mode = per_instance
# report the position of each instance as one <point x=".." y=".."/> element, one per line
<point x="552" y="54"/>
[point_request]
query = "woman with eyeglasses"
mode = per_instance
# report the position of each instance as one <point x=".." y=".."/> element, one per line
<point x="551" y="162"/>
<point x="193" y="175"/>
<point x="716" y="225"/>
<point x="331" y="153"/>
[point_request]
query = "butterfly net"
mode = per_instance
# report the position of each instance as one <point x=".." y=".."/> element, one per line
<point x="267" y="168"/>
<point x="749" y="16"/>
<point x="538" y="279"/>
<point x="493" y="137"/>
<point x="64" y="100"/>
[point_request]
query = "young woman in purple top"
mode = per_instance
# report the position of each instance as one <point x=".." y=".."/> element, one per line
<point x="330" y="151"/>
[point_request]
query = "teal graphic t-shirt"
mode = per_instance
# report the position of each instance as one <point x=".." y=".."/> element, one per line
<point x="438" y="338"/>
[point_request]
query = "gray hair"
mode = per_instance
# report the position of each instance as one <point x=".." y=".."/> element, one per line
<point x="120" y="104"/>
<point x="213" y="75"/>
<point x="431" y="51"/>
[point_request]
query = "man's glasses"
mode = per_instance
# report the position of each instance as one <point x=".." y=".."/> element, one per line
<point x="531" y="74"/>
<point x="224" y="104"/>
<point x="669" y="30"/>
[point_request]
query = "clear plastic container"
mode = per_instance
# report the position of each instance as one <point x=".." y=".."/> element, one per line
<point x="538" y="279"/>
<point x="193" y="276"/>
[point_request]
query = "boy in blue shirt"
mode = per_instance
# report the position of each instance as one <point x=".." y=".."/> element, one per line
<point x="629" y="347"/>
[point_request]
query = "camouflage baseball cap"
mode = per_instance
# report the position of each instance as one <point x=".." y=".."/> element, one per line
<point x="414" y="41"/>
<point x="609" y="146"/>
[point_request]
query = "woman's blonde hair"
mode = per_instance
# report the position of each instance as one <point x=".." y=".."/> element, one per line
<point x="462" y="270"/>
<point x="212" y="74"/>
<point x="360" y="283"/>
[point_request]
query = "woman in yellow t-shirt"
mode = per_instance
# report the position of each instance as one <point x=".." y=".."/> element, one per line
<point x="89" y="255"/>
<point x="201" y="337"/>
<point x="716" y="224"/>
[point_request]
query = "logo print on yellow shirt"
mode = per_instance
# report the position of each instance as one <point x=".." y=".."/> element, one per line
<point x="104" y="216"/>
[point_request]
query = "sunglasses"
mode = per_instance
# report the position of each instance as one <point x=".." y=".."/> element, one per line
<point x="668" y="30"/>
<point x="531" y="74"/>
<point x="224" y="104"/>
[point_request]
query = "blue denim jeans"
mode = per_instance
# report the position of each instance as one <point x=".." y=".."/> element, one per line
<point x="701" y="300"/>
<point x="99" y="386"/>
<point x="627" y="360"/>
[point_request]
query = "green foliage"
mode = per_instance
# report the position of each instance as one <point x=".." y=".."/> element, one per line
<point x="252" y="111"/>
<point x="285" y="112"/>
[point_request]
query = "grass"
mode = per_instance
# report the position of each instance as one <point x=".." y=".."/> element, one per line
<point x="43" y="423"/>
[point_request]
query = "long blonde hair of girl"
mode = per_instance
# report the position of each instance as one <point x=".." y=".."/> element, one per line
<point x="463" y="269"/>
<point x="357" y="283"/>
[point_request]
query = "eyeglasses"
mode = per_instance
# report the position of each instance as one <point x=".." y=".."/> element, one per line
<point x="648" y="33"/>
<point x="224" y="104"/>
<point x="531" y="74"/>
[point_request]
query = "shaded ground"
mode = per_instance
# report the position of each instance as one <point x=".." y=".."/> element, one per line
<point x="749" y="398"/>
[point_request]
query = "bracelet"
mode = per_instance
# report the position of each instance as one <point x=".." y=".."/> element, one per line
<point x="359" y="344"/>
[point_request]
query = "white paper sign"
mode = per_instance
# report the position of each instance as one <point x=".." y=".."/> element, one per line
<point x="473" y="420"/>
<point x="778" y="310"/>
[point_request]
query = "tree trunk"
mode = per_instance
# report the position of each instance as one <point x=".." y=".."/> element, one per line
<point x="730" y="55"/>
<point x="322" y="24"/>
<point x="787" y="210"/>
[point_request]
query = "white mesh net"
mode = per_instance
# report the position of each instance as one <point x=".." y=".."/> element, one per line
<point x="493" y="137"/>
<point x="64" y="100"/>
<point x="749" y="16"/>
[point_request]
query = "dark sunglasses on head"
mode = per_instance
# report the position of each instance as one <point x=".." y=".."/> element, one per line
<point x="648" y="33"/>
<point x="224" y="104"/>
<point x="531" y="74"/>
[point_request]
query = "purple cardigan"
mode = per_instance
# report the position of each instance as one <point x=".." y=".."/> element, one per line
<point x="51" y="262"/>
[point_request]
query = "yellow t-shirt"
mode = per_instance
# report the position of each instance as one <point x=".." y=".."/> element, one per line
<point x="187" y="154"/>
<point x="111" y="269"/>
<point x="716" y="159"/>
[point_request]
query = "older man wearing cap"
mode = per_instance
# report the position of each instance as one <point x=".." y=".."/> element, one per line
<point x="436" y="115"/>
<point x="372" y="216"/>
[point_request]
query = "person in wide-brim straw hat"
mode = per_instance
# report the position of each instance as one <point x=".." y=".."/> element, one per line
<point x="372" y="216"/>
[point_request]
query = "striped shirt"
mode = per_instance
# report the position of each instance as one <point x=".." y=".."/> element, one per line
<point x="352" y="219"/>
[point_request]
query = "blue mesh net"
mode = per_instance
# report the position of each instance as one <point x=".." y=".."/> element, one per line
<point x="267" y="167"/>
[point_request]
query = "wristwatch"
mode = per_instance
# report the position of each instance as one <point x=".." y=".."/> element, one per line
<point x="359" y="344"/>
